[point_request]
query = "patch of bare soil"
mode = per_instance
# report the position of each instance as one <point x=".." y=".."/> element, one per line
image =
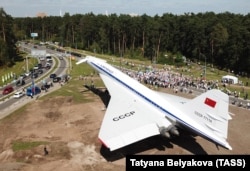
<point x="71" y="134"/>
<point x="69" y="130"/>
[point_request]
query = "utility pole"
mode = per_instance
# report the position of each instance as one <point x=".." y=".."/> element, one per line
<point x="70" y="64"/>
<point x="205" y="65"/>
<point x="27" y="64"/>
<point x="69" y="61"/>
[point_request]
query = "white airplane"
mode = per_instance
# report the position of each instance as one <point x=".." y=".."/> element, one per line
<point x="136" y="112"/>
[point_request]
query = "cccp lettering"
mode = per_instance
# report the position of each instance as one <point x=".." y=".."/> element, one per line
<point x="124" y="116"/>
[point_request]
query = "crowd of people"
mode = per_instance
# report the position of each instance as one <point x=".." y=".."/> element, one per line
<point x="166" y="77"/>
<point x="178" y="82"/>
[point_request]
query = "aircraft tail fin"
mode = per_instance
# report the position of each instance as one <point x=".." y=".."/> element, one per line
<point x="211" y="110"/>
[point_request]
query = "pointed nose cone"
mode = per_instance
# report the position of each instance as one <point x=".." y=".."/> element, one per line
<point x="228" y="146"/>
<point x="81" y="61"/>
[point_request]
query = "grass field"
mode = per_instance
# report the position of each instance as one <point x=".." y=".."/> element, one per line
<point x="17" y="69"/>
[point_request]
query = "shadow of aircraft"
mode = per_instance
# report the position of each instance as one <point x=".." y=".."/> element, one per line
<point x="186" y="141"/>
<point x="102" y="93"/>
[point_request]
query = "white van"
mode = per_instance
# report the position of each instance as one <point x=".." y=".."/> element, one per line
<point x="48" y="57"/>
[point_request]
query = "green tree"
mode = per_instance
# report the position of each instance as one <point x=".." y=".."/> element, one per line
<point x="218" y="39"/>
<point x="8" y="50"/>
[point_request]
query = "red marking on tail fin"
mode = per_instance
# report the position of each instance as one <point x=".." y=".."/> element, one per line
<point x="210" y="102"/>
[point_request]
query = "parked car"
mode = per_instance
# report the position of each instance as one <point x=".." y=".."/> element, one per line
<point x="56" y="79"/>
<point x="20" y="82"/>
<point x="34" y="75"/>
<point x="52" y="76"/>
<point x="33" y="90"/>
<point x="49" y="58"/>
<point x="18" y="94"/>
<point x="22" y="76"/>
<point x="36" y="67"/>
<point x="27" y="74"/>
<point x="47" y="65"/>
<point x="40" y="71"/>
<point x="45" y="86"/>
<point x="39" y="66"/>
<point x="7" y="90"/>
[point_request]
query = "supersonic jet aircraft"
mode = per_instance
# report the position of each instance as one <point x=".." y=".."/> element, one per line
<point x="136" y="112"/>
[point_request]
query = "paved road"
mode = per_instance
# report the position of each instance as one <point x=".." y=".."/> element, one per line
<point x="8" y="105"/>
<point x="24" y="100"/>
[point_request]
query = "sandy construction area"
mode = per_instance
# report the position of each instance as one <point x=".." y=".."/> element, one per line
<point x="71" y="132"/>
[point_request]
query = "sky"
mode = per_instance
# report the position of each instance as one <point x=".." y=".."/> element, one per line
<point x="29" y="8"/>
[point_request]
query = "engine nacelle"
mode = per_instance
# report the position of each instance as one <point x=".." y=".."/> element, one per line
<point x="169" y="131"/>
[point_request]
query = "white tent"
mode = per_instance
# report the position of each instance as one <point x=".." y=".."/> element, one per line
<point x="230" y="79"/>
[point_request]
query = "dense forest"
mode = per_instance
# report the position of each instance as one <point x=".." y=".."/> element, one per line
<point x="8" y="50"/>
<point x="222" y="40"/>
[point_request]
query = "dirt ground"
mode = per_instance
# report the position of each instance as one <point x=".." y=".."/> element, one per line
<point x="71" y="131"/>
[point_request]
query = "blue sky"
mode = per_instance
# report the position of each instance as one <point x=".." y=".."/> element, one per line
<point x="29" y="8"/>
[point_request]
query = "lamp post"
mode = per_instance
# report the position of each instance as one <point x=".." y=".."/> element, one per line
<point x="27" y="64"/>
<point x="205" y="68"/>
<point x="70" y="64"/>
